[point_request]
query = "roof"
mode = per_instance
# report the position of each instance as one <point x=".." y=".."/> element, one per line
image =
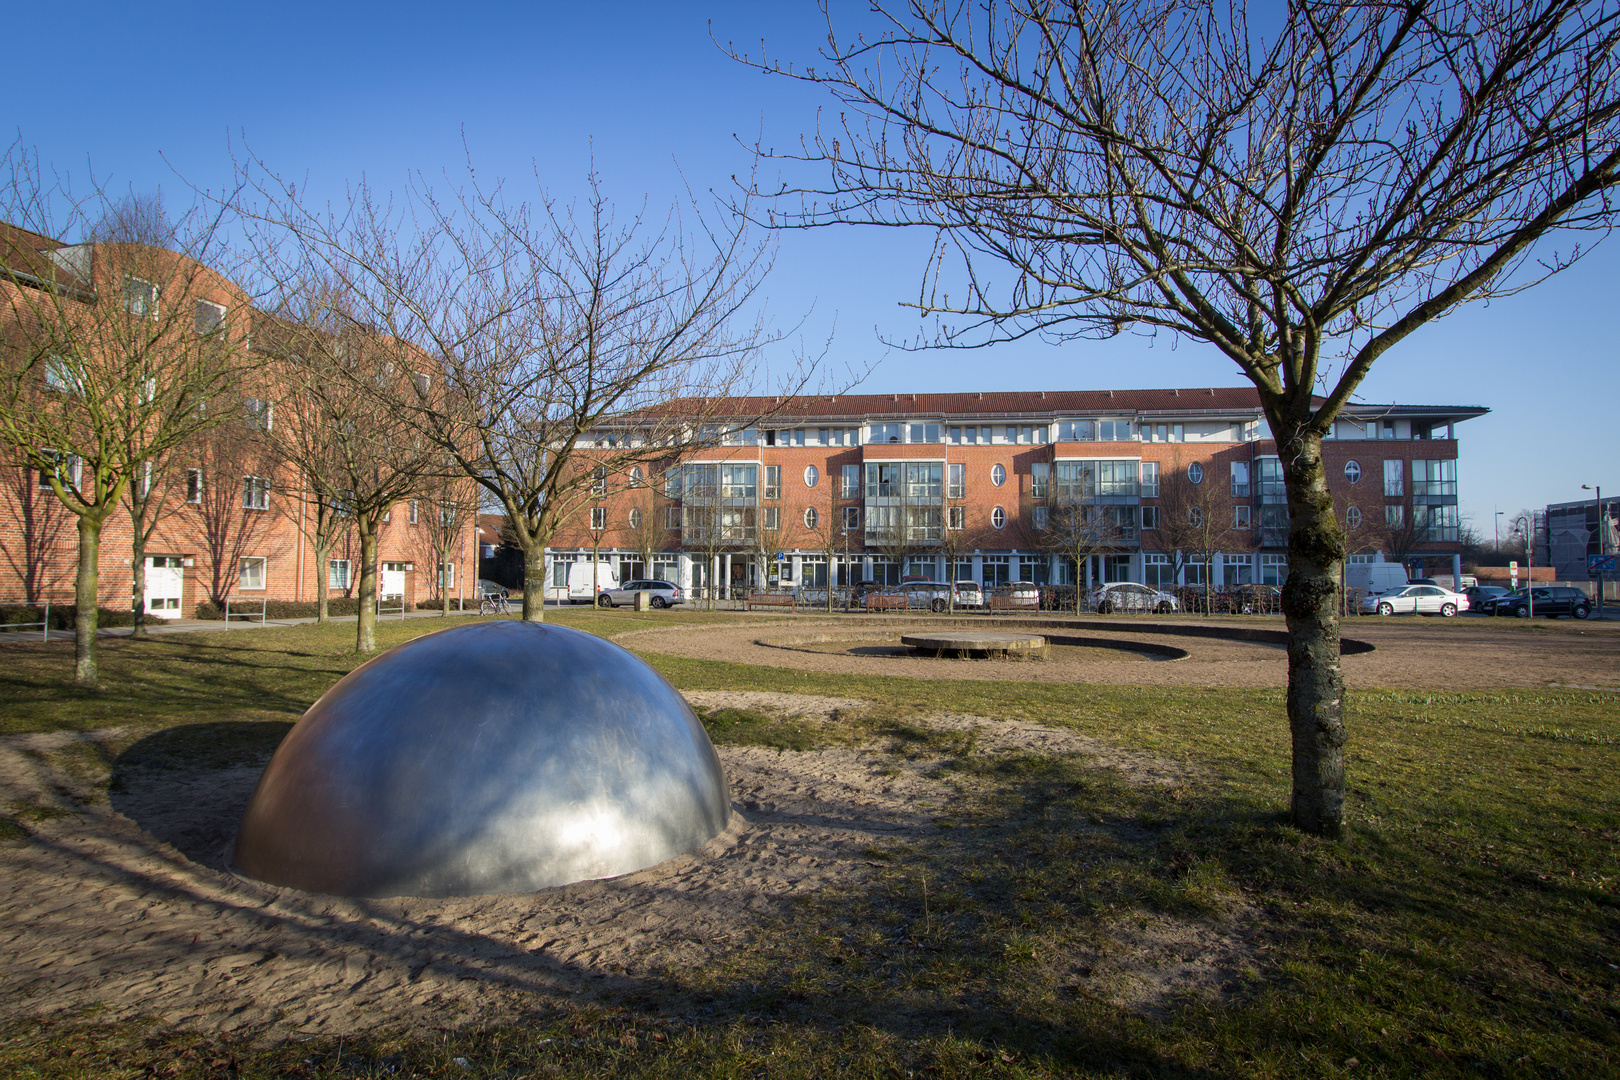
<point x="25" y="254"/>
<point x="998" y="405"/>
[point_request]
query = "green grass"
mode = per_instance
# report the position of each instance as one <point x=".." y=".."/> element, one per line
<point x="1470" y="925"/>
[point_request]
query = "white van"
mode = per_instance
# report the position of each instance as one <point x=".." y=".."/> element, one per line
<point x="584" y="588"/>
<point x="1373" y="578"/>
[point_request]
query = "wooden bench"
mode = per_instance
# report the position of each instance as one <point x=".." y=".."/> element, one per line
<point x="880" y="602"/>
<point x="1011" y="603"/>
<point x="771" y="600"/>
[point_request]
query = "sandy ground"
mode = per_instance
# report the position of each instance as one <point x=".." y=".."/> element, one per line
<point x="125" y="906"/>
<point x="1451" y="654"/>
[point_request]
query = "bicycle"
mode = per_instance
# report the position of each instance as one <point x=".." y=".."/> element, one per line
<point x="495" y="605"/>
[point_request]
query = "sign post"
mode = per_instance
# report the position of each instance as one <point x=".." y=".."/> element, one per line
<point x="1597" y="568"/>
<point x="1513" y="573"/>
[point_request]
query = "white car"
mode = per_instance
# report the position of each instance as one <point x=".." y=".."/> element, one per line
<point x="1130" y="596"/>
<point x="1415" y="599"/>
<point x="968" y="594"/>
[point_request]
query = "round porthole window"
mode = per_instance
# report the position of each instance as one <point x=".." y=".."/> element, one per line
<point x="998" y="476"/>
<point x="812" y="476"/>
<point x="1195" y="473"/>
<point x="810" y="517"/>
<point x="998" y="516"/>
<point x="1352" y="471"/>
<point x="1352" y="517"/>
<point x="635" y="518"/>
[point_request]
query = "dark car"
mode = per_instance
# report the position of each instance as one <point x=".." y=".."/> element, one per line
<point x="1482" y="597"/>
<point x="1550" y="600"/>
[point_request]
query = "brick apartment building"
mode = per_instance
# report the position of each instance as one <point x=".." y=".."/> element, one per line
<point x="238" y="531"/>
<point x="881" y="486"/>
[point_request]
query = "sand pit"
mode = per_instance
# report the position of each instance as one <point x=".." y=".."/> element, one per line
<point x="1452" y="654"/>
<point x="126" y="906"/>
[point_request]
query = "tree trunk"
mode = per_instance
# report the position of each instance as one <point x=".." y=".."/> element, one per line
<point x="323" y="568"/>
<point x="85" y="673"/>
<point x="1310" y="604"/>
<point x="365" y="639"/>
<point x="534" y="584"/>
<point x="137" y="585"/>
<point x="444" y="583"/>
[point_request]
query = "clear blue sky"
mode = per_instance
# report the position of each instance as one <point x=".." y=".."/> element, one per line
<point x="153" y="92"/>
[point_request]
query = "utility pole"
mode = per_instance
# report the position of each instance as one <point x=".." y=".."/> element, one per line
<point x="1602" y="527"/>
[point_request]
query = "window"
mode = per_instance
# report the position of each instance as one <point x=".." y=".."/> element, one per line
<point x="1394" y="515"/>
<point x="255" y="493"/>
<point x="413" y="511"/>
<point x="259" y="413"/>
<point x="250" y="573"/>
<point x="1436" y="522"/>
<point x="1150" y="479"/>
<point x="61" y="374"/>
<point x="1039" y="480"/>
<point x="636" y="476"/>
<point x="140" y="297"/>
<point x="1041" y="520"/>
<point x="924" y="433"/>
<point x="773" y="481"/>
<point x="958" y="488"/>
<point x="812" y="476"/>
<point x="850" y="486"/>
<point x="852" y="518"/>
<point x="337" y="574"/>
<point x="635" y="517"/>
<point x="672" y="518"/>
<point x="771" y="519"/>
<point x="1394" y="478"/>
<point x="1074" y="431"/>
<point x="1352" y="471"/>
<point x="1434" y="477"/>
<point x="1273" y="569"/>
<point x="422" y="381"/>
<point x="447" y="576"/>
<point x="1114" y="431"/>
<point x="559" y="574"/>
<point x="194" y="486"/>
<point x="882" y="433"/>
<point x="998" y="476"/>
<point x="599" y="485"/>
<point x="1195" y="516"/>
<point x="811" y="518"/>
<point x="447" y="514"/>
<point x="956" y="518"/>
<point x="998" y="518"/>
<point x="1156" y="571"/>
<point x="1195" y="473"/>
<point x="1352" y="516"/>
<point x="739" y="481"/>
<point x="1240" y="480"/>
<point x="1240" y="517"/>
<point x="209" y="317"/>
<point x="598" y="518"/>
<point x="1150" y="517"/>
<point x="143" y="485"/>
<point x="65" y="466"/>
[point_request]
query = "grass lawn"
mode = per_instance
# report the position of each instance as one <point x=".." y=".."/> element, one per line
<point x="1470" y="925"/>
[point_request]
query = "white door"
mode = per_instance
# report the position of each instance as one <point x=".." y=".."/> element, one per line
<point x="393" y="580"/>
<point x="1429" y="600"/>
<point x="165" y="579"/>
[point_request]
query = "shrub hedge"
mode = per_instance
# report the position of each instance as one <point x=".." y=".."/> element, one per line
<point x="290" y="609"/>
<point x="64" y="616"/>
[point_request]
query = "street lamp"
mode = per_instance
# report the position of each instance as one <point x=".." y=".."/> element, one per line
<point x="1602" y="537"/>
<point x="1499" y="514"/>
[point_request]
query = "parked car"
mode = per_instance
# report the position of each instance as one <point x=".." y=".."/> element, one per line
<point x="1551" y="601"/>
<point x="487" y="587"/>
<point x="1482" y="598"/>
<point x="968" y="594"/>
<point x="1423" y="581"/>
<point x="1020" y="594"/>
<point x="933" y="595"/>
<point x="1416" y="599"/>
<point x="1130" y="596"/>
<point x="1254" y="600"/>
<point x="664" y="593"/>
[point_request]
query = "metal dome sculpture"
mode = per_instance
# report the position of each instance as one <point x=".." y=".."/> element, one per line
<point x="498" y="757"/>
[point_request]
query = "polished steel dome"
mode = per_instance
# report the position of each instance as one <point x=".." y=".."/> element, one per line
<point x="499" y="757"/>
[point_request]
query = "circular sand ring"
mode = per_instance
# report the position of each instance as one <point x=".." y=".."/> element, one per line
<point x="970" y="643"/>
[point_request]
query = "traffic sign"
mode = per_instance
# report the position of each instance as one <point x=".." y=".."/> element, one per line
<point x="1513" y="572"/>
<point x="1597" y="565"/>
<point x="780" y="557"/>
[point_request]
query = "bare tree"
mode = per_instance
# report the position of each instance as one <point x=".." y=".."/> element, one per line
<point x="149" y="500"/>
<point x="557" y="339"/>
<point x="448" y="508"/>
<point x="646" y="525"/>
<point x="1077" y="527"/>
<point x="112" y="347"/>
<point x="235" y="490"/>
<point x="1302" y="191"/>
<point x="1196" y="520"/>
<point x="334" y="377"/>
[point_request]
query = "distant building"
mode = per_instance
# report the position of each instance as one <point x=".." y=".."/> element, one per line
<point x="1575" y="531"/>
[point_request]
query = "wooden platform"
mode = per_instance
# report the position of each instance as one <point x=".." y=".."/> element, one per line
<point x="972" y="643"/>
